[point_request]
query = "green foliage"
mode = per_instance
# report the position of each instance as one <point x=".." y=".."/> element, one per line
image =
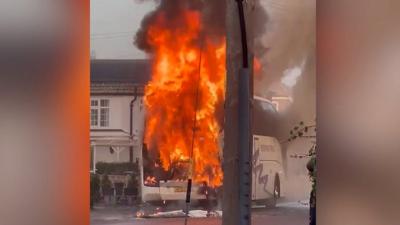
<point x="94" y="189"/>
<point x="303" y="131"/>
<point x="106" y="185"/>
<point x="94" y="182"/>
<point x="132" y="187"/>
<point x="116" y="168"/>
<point x="312" y="169"/>
<point x="133" y="182"/>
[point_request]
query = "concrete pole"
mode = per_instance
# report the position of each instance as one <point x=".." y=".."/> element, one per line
<point x="237" y="130"/>
<point x="230" y="204"/>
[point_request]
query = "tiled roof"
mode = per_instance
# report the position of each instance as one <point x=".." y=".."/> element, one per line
<point x="119" y="77"/>
<point x="132" y="71"/>
<point x="116" y="89"/>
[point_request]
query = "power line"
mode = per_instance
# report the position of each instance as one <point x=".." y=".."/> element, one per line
<point x="111" y="33"/>
<point x="111" y="37"/>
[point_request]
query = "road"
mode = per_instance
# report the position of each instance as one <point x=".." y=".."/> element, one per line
<point x="284" y="214"/>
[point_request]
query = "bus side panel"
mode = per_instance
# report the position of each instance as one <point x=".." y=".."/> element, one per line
<point x="260" y="175"/>
<point x="150" y="194"/>
<point x="267" y="161"/>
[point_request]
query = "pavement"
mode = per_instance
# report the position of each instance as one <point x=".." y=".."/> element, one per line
<point x="285" y="213"/>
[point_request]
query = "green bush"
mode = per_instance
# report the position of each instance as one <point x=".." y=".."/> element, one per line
<point x="132" y="188"/>
<point x="106" y="185"/>
<point x="94" y="189"/>
<point x="116" y="168"/>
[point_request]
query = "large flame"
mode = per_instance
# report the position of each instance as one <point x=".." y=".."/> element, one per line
<point x="188" y="79"/>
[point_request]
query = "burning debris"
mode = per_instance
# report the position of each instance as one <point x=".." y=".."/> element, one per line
<point x="150" y="181"/>
<point x="178" y="213"/>
<point x="140" y="214"/>
<point x="185" y="97"/>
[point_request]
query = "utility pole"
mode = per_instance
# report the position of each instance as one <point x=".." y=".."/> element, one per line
<point x="237" y="130"/>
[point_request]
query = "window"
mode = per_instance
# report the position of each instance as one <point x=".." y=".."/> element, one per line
<point x="104" y="116"/>
<point x="100" y="113"/>
<point x="104" y="103"/>
<point x="94" y="115"/>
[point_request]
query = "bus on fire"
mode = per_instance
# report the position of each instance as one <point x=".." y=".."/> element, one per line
<point x="268" y="177"/>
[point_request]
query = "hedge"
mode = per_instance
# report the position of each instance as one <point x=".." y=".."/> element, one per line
<point x="116" y="168"/>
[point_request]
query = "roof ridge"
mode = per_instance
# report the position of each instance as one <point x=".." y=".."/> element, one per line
<point x="137" y="71"/>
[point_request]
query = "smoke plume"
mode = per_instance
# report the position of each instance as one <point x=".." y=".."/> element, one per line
<point x="212" y="13"/>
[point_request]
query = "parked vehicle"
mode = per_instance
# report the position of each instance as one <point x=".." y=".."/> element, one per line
<point x="267" y="178"/>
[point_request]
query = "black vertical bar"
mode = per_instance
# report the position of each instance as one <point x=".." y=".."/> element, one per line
<point x="243" y="34"/>
<point x="189" y="190"/>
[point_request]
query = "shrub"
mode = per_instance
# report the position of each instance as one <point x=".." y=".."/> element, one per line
<point x="106" y="185"/>
<point x="94" y="189"/>
<point x="116" y="168"/>
<point x="132" y="188"/>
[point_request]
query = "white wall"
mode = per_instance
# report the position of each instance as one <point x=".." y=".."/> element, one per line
<point x="119" y="112"/>
<point x="119" y="119"/>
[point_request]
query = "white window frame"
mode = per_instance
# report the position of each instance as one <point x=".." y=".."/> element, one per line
<point x="102" y="107"/>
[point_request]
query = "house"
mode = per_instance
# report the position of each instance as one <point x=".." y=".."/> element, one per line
<point x="117" y="111"/>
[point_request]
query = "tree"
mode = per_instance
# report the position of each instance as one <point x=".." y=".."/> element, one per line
<point x="303" y="131"/>
<point x="106" y="185"/>
<point x="309" y="132"/>
<point x="94" y="189"/>
<point x="132" y="187"/>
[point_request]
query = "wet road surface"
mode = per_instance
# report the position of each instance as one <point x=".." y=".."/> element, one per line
<point x="290" y="213"/>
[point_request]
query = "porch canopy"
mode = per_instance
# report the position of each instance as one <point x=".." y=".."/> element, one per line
<point x="116" y="139"/>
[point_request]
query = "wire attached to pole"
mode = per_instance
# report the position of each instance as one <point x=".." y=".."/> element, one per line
<point x="244" y="125"/>
<point x="189" y="184"/>
<point x="243" y="34"/>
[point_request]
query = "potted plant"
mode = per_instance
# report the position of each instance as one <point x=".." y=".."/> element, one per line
<point x="106" y="187"/>
<point x="131" y="190"/>
<point x="94" y="189"/>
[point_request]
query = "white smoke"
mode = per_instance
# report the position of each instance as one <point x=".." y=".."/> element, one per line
<point x="291" y="75"/>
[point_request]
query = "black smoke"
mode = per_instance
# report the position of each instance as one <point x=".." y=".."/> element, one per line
<point x="212" y="15"/>
<point x="213" y="19"/>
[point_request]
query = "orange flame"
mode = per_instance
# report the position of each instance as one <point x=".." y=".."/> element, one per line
<point x="257" y="67"/>
<point x="140" y="214"/>
<point x="150" y="181"/>
<point x="184" y="73"/>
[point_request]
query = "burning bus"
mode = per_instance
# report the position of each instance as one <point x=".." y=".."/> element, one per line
<point x="159" y="186"/>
